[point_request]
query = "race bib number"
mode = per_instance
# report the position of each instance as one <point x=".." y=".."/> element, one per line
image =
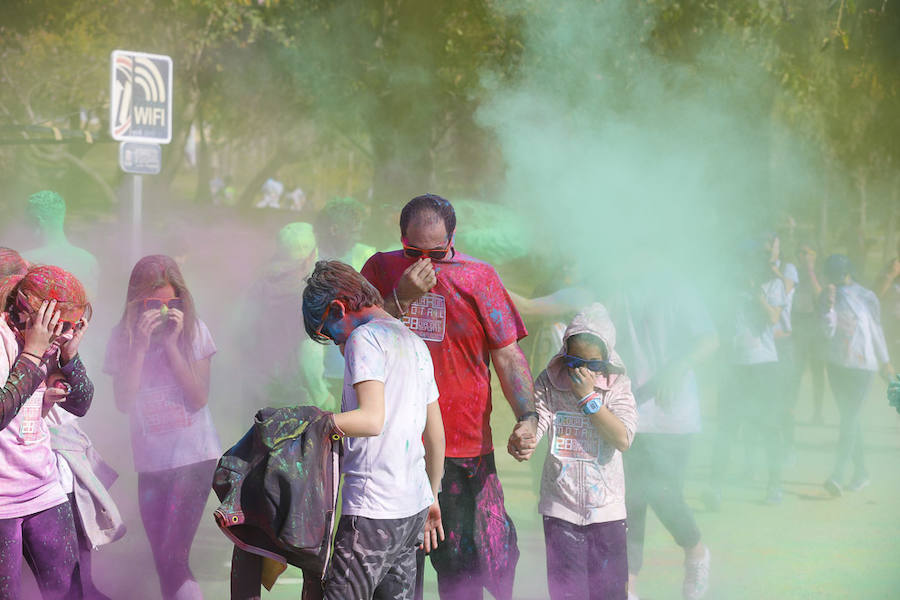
<point x="427" y="317"/>
<point x="162" y="410"/>
<point x="30" y="425"/>
<point x="574" y="437"/>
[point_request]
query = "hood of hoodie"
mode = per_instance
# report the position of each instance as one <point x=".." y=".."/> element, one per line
<point x="596" y="321"/>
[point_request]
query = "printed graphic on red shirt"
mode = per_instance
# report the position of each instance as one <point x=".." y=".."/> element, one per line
<point x="574" y="437"/>
<point x="162" y="410"/>
<point x="427" y="317"/>
<point x="30" y="427"/>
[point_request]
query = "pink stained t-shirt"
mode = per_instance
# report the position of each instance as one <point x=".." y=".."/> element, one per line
<point x="29" y="481"/>
<point x="466" y="315"/>
<point x="165" y="432"/>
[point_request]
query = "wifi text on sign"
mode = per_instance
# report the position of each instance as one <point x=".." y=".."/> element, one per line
<point x="141" y="97"/>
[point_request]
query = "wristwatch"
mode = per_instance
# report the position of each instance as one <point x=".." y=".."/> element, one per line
<point x="527" y="415"/>
<point x="592" y="405"/>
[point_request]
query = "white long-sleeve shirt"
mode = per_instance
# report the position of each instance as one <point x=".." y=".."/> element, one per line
<point x="853" y="327"/>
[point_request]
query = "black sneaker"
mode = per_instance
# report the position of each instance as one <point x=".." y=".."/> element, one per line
<point x="833" y="488"/>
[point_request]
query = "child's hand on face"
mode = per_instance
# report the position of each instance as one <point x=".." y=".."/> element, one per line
<point x="147" y="324"/>
<point x="177" y="318"/>
<point x="41" y="327"/>
<point x="582" y="381"/>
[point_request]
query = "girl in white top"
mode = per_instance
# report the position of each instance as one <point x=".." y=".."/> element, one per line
<point x="855" y="351"/>
<point x="159" y="356"/>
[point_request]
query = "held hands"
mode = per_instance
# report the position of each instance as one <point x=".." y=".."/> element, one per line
<point x="523" y="440"/>
<point x="416" y="280"/>
<point x="41" y="327"/>
<point x="434" y="528"/>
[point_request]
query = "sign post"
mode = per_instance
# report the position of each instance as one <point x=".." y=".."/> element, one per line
<point x="140" y="116"/>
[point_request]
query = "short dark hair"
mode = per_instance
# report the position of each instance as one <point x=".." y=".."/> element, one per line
<point x="333" y="280"/>
<point x="428" y="203"/>
<point x="837" y="267"/>
<point x="589" y="338"/>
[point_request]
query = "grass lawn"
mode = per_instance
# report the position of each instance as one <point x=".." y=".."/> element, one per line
<point x="812" y="546"/>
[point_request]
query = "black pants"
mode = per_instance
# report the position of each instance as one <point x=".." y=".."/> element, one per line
<point x="850" y="387"/>
<point x="654" y="476"/>
<point x="807" y="339"/>
<point x="587" y="562"/>
<point x="750" y="397"/>
<point x="480" y="550"/>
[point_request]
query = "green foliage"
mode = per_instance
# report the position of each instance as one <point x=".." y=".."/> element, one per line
<point x="399" y="84"/>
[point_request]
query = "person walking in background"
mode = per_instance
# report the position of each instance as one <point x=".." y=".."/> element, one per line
<point x="159" y="357"/>
<point x="394" y="446"/>
<point x="856" y="350"/>
<point x="787" y="272"/>
<point x="291" y="371"/>
<point x="45" y="214"/>
<point x="458" y="305"/>
<point x="664" y="331"/>
<point x="806" y="331"/>
<point x="749" y="393"/>
<point x="272" y="190"/>
<point x="584" y="403"/>
<point x="888" y="290"/>
<point x="41" y="327"/>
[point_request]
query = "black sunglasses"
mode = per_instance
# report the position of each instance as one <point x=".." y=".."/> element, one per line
<point x="597" y="365"/>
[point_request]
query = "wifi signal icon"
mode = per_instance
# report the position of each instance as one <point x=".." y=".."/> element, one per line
<point x="141" y="97"/>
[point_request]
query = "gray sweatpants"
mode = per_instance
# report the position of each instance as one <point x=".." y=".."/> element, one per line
<point x="374" y="558"/>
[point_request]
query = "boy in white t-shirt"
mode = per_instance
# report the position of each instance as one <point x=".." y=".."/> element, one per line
<point x="394" y="447"/>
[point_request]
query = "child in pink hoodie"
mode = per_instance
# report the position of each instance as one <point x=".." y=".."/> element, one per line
<point x="584" y="402"/>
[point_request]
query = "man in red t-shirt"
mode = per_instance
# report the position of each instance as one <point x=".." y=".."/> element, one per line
<point x="458" y="305"/>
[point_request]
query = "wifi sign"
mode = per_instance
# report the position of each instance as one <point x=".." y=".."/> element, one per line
<point x="140" y="107"/>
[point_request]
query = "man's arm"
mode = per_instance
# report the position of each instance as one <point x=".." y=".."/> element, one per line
<point x="518" y="388"/>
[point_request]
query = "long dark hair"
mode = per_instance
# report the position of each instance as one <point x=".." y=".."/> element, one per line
<point x="149" y="274"/>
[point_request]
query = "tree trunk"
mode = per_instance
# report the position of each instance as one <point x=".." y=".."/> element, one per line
<point x="204" y="170"/>
<point x="890" y="238"/>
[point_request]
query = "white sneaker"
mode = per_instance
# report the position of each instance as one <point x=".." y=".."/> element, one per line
<point x="632" y="596"/>
<point x="696" y="577"/>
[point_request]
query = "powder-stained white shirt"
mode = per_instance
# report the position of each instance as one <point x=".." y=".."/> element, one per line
<point x="754" y="336"/>
<point x="384" y="475"/>
<point x="853" y="326"/>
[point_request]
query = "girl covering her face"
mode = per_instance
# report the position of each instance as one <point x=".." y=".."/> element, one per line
<point x="45" y="311"/>
<point x="159" y="356"/>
